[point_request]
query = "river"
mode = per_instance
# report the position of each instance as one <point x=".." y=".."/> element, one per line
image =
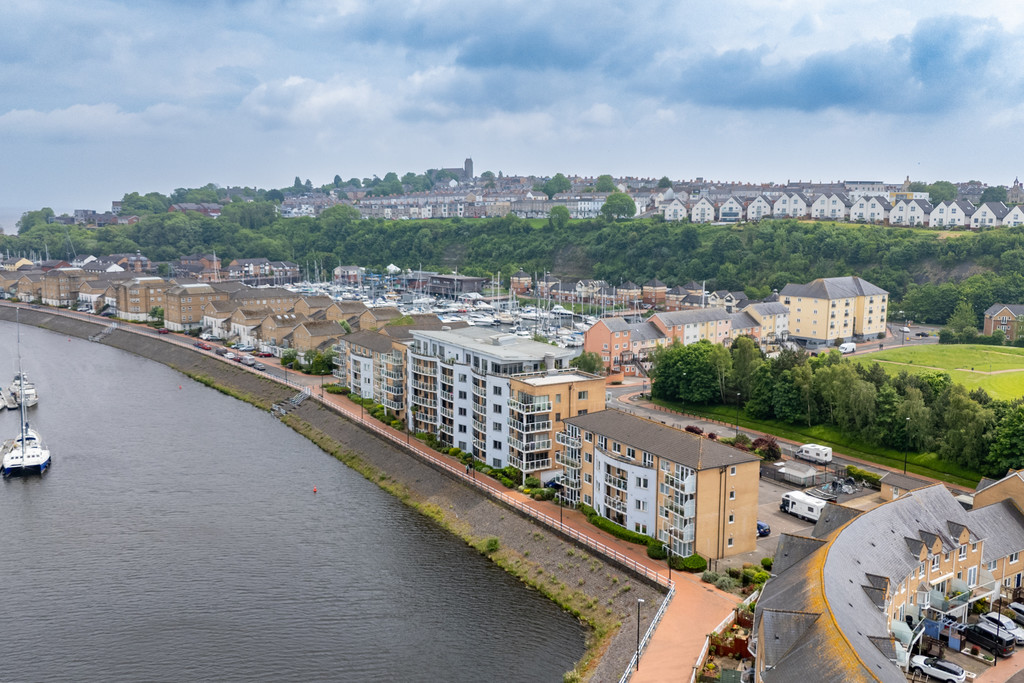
<point x="177" y="537"/>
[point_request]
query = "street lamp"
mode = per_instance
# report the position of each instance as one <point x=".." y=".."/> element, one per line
<point x="737" y="413"/>
<point x="639" y="601"/>
<point x="906" y="445"/>
<point x="903" y="337"/>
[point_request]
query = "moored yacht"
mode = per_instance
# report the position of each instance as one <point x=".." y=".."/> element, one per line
<point x="25" y="454"/>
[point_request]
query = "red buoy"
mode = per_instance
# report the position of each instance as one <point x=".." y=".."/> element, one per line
<point x="314" y="489"/>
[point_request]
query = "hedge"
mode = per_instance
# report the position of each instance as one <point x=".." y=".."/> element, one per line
<point x="656" y="550"/>
<point x="614" y="529"/>
<point x="694" y="563"/>
<point x="873" y="480"/>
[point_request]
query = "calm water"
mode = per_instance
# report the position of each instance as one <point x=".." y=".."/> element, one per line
<point x="178" y="538"/>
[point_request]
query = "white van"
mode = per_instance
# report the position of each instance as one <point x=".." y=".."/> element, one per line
<point x="847" y="347"/>
<point x="799" y="504"/>
<point x="812" y="452"/>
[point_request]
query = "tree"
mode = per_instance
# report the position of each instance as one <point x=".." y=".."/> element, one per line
<point x="588" y="361"/>
<point x="618" y="205"/>
<point x="918" y="186"/>
<point x="355" y="182"/>
<point x="275" y="196"/>
<point x="337" y="181"/>
<point x="746" y="358"/>
<point x="557" y="184"/>
<point x="966" y="439"/>
<point x="297" y="185"/>
<point x="996" y="193"/>
<point x="664" y="183"/>
<point x="605" y="183"/>
<point x="156" y="314"/>
<point x="721" y="360"/>
<point x="941" y="191"/>
<point x="1007" y="450"/>
<point x="558" y="218"/>
<point x="963" y="319"/>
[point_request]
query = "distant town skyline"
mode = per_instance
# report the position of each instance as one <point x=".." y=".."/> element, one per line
<point x="104" y="98"/>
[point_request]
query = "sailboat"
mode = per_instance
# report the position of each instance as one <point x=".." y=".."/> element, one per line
<point x="23" y="391"/>
<point x="24" y="454"/>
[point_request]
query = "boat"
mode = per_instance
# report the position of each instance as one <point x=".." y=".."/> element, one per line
<point x="26" y="394"/>
<point x="26" y="453"/>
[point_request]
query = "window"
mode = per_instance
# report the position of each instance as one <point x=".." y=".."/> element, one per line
<point x="616" y="447"/>
<point x="963" y="552"/>
<point x="1014" y="557"/>
<point x="583" y="395"/>
<point x="631" y="453"/>
<point x="496" y="426"/>
<point x="732" y="518"/>
<point x="588" y="436"/>
<point x="462" y="378"/>
<point x="729" y="542"/>
<point x="602" y="442"/>
<point x="587" y="457"/>
<point x="558" y="417"/>
<point x="495" y="408"/>
<point x="732" y="471"/>
<point x="640" y="528"/>
<point x="462" y="412"/>
<point x="732" y="495"/>
<point x="642" y="482"/>
<point x="462" y="429"/>
<point x="497" y="445"/>
<point x="496" y="391"/>
<point x="587" y="499"/>
<point x="587" y="478"/>
<point x="462" y="394"/>
<point x="641" y="505"/>
<point x="648" y="460"/>
<point x="935" y="563"/>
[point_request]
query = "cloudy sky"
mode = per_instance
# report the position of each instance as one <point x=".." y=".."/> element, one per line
<point x="99" y="98"/>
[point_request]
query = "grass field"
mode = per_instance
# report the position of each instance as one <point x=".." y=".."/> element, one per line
<point x="999" y="370"/>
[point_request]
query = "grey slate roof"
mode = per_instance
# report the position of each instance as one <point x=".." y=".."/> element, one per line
<point x="768" y="308"/>
<point x="903" y="481"/>
<point x="681" y="447"/>
<point x="369" y="340"/>
<point x="833" y="288"/>
<point x="698" y="315"/>
<point x="1014" y="309"/>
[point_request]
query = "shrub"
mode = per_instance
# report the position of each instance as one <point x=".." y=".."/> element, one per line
<point x="724" y="583"/>
<point x="768" y="448"/>
<point x="694" y="563"/>
<point x="532" y="483"/>
<point x="709" y="577"/>
<point x="398" y="424"/>
<point x="694" y="429"/>
<point x="733" y="572"/>
<point x="767" y="563"/>
<point x="656" y="550"/>
<point x="337" y="389"/>
<point x="712" y="436"/>
<point x="742" y="440"/>
<point x="507" y="482"/>
<point x="613" y="528"/>
<point x="761" y="576"/>
<point x="491" y="545"/>
<point x="873" y="480"/>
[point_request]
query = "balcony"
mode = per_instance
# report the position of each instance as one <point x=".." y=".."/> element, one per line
<point x="566" y="440"/>
<point x="393" y="405"/>
<point x="393" y="374"/>
<point x="424" y="386"/>
<point x="616" y="482"/>
<point x="392" y="388"/>
<point x="685" y="510"/>
<point x="424" y="401"/>
<point x="530" y="427"/>
<point x="541" y="405"/>
<point x="568" y="460"/>
<point x="479" y="448"/>
<point x="530" y="465"/>
<point x="447" y="396"/>
<point x="479" y="425"/>
<point x="480" y="391"/>
<point x="571" y="482"/>
<point x="530" y="446"/>
<point x="685" y="534"/>
<point x="424" y="368"/>
<point x="615" y="504"/>
<point x="447" y="412"/>
<point x="446" y="428"/>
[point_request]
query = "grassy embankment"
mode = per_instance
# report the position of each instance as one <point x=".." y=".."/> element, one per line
<point x="999" y="370"/>
<point x="926" y="464"/>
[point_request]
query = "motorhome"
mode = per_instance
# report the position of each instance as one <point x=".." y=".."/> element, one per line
<point x="800" y="504"/>
<point x="812" y="452"/>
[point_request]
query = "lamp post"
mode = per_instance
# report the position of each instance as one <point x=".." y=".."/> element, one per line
<point x="737" y="413"/>
<point x="639" y="601"/>
<point x="903" y="335"/>
<point x="668" y="547"/>
<point x="906" y="445"/>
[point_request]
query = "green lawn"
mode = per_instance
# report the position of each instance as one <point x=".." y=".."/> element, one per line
<point x="927" y="464"/>
<point x="997" y="369"/>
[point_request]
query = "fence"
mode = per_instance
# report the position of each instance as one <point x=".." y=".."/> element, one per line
<point x="628" y="673"/>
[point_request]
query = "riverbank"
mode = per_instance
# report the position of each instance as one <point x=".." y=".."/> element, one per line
<point x="598" y="592"/>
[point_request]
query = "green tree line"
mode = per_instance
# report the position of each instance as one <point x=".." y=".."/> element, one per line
<point x="924" y="412"/>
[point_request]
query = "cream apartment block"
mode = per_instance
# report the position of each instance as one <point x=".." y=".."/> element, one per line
<point x="460" y="387"/>
<point x="833" y="308"/>
<point x="184" y="304"/>
<point x="60" y="286"/>
<point x="694" y="494"/>
<point x="138" y="296"/>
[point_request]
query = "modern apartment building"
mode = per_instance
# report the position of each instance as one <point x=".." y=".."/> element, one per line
<point x="138" y="296"/>
<point x="460" y="387"/>
<point x="60" y="285"/>
<point x="694" y="494"/>
<point x="833" y="308"/>
<point x="184" y="304"/>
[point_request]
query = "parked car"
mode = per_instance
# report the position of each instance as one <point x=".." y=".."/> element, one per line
<point x="1018" y="611"/>
<point x="763" y="529"/>
<point x="230" y="356"/>
<point x="259" y="366"/>
<point x="204" y="346"/>
<point x="921" y="334"/>
<point x="163" y="330"/>
<point x="1006" y="624"/>
<point x="221" y="351"/>
<point x="263" y="354"/>
<point x="939" y="669"/>
<point x="248" y="360"/>
<point x="985" y="636"/>
<point x="208" y="336"/>
<point x="245" y="348"/>
<point x="555" y="483"/>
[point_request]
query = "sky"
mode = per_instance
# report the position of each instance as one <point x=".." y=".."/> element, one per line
<point x="99" y="98"/>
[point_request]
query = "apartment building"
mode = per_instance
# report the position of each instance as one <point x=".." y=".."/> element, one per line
<point x="138" y="296"/>
<point x="184" y="304"/>
<point x="835" y="308"/>
<point x="1005" y="317"/>
<point x="60" y="286"/>
<point x="459" y="387"/>
<point x="850" y="601"/>
<point x="694" y="494"/>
